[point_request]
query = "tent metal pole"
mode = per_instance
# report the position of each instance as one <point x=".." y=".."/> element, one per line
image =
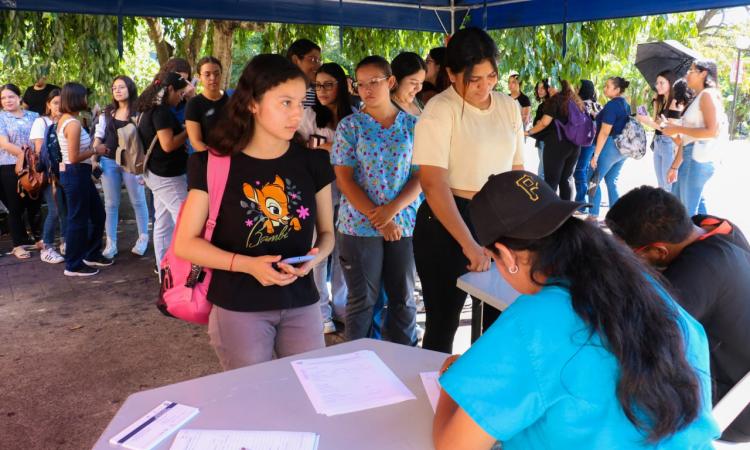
<point x="341" y="27"/>
<point x="445" y="30"/>
<point x="484" y="16"/>
<point x="565" y="30"/>
<point x="120" y="34"/>
<point x="453" y="17"/>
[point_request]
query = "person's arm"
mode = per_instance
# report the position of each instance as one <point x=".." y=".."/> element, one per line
<point x="99" y="132"/>
<point x="324" y="240"/>
<point x="540" y="125"/>
<point x="453" y="429"/>
<point x="9" y="147"/>
<point x="190" y="245"/>
<point x="434" y="182"/>
<point x="519" y="144"/>
<point x="195" y="135"/>
<point x="353" y="191"/>
<point x="674" y="169"/>
<point x="72" y="135"/>
<point x="648" y="121"/>
<point x="163" y="120"/>
<point x="381" y="215"/>
<point x="604" y="132"/>
<point x="710" y="130"/>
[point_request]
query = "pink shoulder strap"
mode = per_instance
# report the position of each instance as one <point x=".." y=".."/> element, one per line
<point x="217" y="175"/>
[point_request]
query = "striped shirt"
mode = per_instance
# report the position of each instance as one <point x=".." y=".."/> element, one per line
<point x="309" y="101"/>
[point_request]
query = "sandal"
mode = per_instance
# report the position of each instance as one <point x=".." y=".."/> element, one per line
<point x="20" y="253"/>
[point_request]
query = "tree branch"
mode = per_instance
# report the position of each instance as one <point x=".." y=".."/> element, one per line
<point x="156" y="33"/>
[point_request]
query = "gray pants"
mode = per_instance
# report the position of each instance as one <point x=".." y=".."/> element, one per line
<point x="244" y="338"/>
<point x="368" y="264"/>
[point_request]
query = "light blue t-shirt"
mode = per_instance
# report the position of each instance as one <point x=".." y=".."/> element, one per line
<point x="381" y="158"/>
<point x="533" y="382"/>
<point x="17" y="130"/>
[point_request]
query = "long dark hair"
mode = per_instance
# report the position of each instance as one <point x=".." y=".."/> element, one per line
<point x="323" y="115"/>
<point x="153" y="95"/>
<point x="469" y="47"/>
<point x="567" y="93"/>
<point x="545" y="83"/>
<point x="708" y="66"/>
<point x="442" y="81"/>
<point x="681" y="93"/>
<point x="663" y="102"/>
<point x="236" y="125"/>
<point x="132" y="96"/>
<point x="658" y="389"/>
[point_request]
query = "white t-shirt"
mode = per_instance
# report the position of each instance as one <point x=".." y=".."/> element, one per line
<point x="705" y="149"/>
<point x="39" y="128"/>
<point x="469" y="142"/>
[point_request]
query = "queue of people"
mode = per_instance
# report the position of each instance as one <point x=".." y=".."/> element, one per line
<point x="420" y="171"/>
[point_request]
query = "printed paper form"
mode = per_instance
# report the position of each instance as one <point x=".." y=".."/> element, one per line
<point x="249" y="440"/>
<point x="351" y="382"/>
<point x="148" y="431"/>
<point x="432" y="387"/>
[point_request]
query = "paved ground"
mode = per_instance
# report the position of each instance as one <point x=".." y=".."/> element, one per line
<point x="71" y="350"/>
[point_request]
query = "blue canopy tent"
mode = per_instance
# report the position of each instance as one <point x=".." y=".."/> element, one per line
<point x="424" y="15"/>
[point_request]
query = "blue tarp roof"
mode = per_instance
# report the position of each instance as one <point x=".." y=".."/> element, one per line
<point x="426" y="15"/>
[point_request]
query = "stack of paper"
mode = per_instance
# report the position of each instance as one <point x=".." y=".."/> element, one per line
<point x="249" y="440"/>
<point x="350" y="382"/>
<point x="148" y="431"/>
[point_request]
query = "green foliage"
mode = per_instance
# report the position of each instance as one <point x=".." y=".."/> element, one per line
<point x="63" y="47"/>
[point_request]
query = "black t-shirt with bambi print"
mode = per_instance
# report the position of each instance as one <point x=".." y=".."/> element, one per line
<point x="268" y="209"/>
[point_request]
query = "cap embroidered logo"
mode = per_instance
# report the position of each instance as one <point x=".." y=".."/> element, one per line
<point x="529" y="186"/>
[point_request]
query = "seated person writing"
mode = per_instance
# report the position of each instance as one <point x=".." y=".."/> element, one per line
<point x="600" y="358"/>
<point x="707" y="261"/>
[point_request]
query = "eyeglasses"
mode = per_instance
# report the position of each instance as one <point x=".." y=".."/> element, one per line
<point x="313" y="59"/>
<point x="327" y="86"/>
<point x="368" y="85"/>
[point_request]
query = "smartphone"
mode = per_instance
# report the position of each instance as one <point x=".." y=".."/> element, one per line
<point x="316" y="140"/>
<point x="642" y="111"/>
<point x="297" y="259"/>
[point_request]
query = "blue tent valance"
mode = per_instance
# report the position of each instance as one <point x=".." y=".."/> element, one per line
<point x="425" y="15"/>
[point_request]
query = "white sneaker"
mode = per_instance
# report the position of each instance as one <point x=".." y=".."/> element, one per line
<point x="141" y="245"/>
<point x="49" y="255"/>
<point x="419" y="331"/>
<point x="62" y="248"/>
<point x="580" y="215"/>
<point x="110" y="250"/>
<point x="329" y="327"/>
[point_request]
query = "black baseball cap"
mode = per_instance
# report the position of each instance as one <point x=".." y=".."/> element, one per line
<point x="518" y="204"/>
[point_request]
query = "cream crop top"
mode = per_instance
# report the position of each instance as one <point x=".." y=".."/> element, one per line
<point x="469" y="142"/>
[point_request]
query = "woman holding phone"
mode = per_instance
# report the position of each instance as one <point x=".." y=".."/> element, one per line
<point x="276" y="202"/>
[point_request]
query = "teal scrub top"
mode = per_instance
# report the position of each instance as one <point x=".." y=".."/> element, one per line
<point x="536" y="380"/>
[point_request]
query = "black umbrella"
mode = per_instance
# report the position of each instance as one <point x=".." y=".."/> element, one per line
<point x="653" y="58"/>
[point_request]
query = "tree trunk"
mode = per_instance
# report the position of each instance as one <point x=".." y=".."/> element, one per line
<point x="156" y="33"/>
<point x="223" y="40"/>
<point x="193" y="42"/>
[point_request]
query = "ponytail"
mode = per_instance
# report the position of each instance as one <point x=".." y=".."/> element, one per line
<point x="620" y="83"/>
<point x="616" y="297"/>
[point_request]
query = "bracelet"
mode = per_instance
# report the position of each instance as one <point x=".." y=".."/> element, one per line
<point x="231" y="263"/>
<point x="674" y="168"/>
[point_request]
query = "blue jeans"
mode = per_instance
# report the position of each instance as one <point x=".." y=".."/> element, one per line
<point x="691" y="179"/>
<point x="112" y="177"/>
<point x="371" y="264"/>
<point x="83" y="237"/>
<point x="609" y="165"/>
<point x="56" y="213"/>
<point x="581" y="174"/>
<point x="664" y="150"/>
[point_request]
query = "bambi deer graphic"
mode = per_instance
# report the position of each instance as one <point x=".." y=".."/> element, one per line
<point x="273" y="203"/>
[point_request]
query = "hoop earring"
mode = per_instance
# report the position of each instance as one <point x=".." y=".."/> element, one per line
<point x="513" y="269"/>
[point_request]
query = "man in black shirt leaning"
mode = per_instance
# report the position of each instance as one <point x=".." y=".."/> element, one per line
<point x="707" y="262"/>
<point x="35" y="97"/>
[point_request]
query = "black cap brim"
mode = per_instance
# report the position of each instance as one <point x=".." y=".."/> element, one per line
<point x="541" y="224"/>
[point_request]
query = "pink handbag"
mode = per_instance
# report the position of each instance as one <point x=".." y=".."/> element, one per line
<point x="184" y="286"/>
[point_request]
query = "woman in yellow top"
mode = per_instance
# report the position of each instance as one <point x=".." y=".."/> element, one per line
<point x="465" y="134"/>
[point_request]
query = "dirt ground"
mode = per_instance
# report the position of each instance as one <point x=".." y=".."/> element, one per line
<point x="73" y="349"/>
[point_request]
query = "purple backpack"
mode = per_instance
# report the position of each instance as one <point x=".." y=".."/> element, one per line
<point x="579" y="130"/>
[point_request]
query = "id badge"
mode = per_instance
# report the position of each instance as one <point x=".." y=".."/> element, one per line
<point x="62" y="167"/>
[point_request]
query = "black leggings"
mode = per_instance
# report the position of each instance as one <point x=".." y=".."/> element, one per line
<point x="17" y="206"/>
<point x="440" y="261"/>
<point x="560" y="160"/>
